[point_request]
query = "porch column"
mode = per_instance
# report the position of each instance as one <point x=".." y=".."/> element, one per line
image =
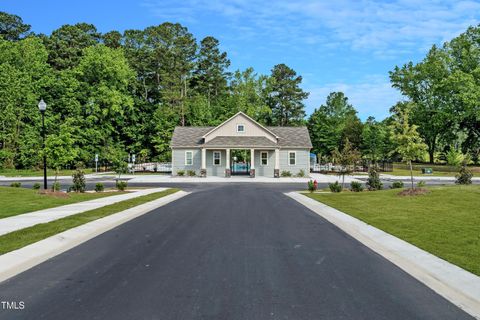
<point x="252" y="163"/>
<point x="227" y="163"/>
<point x="276" y="171"/>
<point x="203" y="169"/>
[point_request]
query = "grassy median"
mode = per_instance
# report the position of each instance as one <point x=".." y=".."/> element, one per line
<point x="37" y="173"/>
<point x="14" y="201"/>
<point x="444" y="222"/>
<point x="18" y="239"/>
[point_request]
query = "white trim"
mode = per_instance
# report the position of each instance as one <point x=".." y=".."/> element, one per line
<point x="288" y="158"/>
<point x="261" y="164"/>
<point x="188" y="151"/>
<point x="220" y="158"/>
<point x="240" y="124"/>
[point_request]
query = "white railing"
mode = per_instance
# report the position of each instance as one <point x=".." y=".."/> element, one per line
<point x="151" y="167"/>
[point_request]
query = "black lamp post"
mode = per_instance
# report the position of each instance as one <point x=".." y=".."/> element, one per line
<point x="42" y="106"/>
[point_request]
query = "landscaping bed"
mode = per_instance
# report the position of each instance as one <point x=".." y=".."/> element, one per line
<point x="18" y="239"/>
<point x="14" y="201"/>
<point x="445" y="221"/>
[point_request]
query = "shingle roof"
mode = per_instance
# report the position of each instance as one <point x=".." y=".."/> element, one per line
<point x="287" y="137"/>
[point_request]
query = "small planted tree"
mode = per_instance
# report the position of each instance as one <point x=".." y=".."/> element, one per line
<point x="410" y="145"/>
<point x="118" y="158"/>
<point x="346" y="158"/>
<point x="60" y="150"/>
<point x="373" y="182"/>
<point x="464" y="176"/>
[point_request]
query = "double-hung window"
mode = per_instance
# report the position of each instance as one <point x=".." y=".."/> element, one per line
<point x="264" y="158"/>
<point x="188" y="158"/>
<point x="217" y="158"/>
<point x="292" y="158"/>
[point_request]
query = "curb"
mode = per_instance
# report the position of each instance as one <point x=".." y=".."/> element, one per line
<point x="18" y="261"/>
<point x="455" y="284"/>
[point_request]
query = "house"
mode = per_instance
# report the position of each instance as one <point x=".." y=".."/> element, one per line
<point x="240" y="145"/>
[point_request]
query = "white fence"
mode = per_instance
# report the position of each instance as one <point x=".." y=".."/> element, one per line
<point x="161" y="167"/>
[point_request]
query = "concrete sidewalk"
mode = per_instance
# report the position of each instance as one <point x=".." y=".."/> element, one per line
<point x="26" y="220"/>
<point x="452" y="282"/>
<point x="321" y="178"/>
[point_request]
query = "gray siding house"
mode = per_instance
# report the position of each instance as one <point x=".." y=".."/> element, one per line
<point x="266" y="151"/>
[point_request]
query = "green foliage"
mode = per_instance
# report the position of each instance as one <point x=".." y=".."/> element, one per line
<point x="312" y="185"/>
<point x="335" y="187"/>
<point x="454" y="158"/>
<point x="285" y="97"/>
<point x="373" y="182"/>
<point x="345" y="158"/>
<point x="79" y="184"/>
<point x="301" y="173"/>
<point x="15" y="184"/>
<point x="121" y="185"/>
<point x="12" y="27"/>
<point x="397" y="185"/>
<point x="464" y="176"/>
<point x="356" y="186"/>
<point x="191" y="173"/>
<point x="99" y="187"/>
<point x="180" y="173"/>
<point x="56" y="186"/>
<point x="36" y="186"/>
<point x="421" y="184"/>
<point x="286" y="173"/>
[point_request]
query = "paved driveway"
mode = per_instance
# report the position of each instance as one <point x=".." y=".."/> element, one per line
<point x="230" y="252"/>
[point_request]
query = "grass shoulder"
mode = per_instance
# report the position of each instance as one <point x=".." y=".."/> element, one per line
<point x="21" y="238"/>
<point x="444" y="222"/>
<point x="37" y="173"/>
<point x="14" y="201"/>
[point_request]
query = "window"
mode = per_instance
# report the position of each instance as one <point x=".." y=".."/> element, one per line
<point x="217" y="157"/>
<point x="264" y="158"/>
<point x="188" y="158"/>
<point x="292" y="158"/>
<point x="240" y="128"/>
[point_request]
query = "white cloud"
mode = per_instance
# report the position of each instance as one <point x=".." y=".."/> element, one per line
<point x="371" y="97"/>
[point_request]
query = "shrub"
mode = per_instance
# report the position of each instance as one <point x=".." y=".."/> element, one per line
<point x="78" y="181"/>
<point x="335" y="187"/>
<point x="36" y="186"/>
<point x="99" y="187"/>
<point x="397" y="185"/>
<point x="191" y="173"/>
<point x="56" y="186"/>
<point x="373" y="182"/>
<point x="454" y="158"/>
<point x="301" y="173"/>
<point x="421" y="184"/>
<point x="356" y="186"/>
<point x="181" y="173"/>
<point x="286" y="173"/>
<point x="312" y="185"/>
<point x="121" y="185"/>
<point x="464" y="176"/>
<point x="15" y="184"/>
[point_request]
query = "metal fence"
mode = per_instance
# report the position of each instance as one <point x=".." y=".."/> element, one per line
<point x="363" y="166"/>
<point x="161" y="167"/>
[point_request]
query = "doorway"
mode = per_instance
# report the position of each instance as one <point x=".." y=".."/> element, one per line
<point x="240" y="162"/>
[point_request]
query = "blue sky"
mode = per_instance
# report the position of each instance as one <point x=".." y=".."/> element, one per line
<point x="341" y="45"/>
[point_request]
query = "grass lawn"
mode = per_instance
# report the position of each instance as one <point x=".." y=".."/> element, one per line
<point x="18" y="239"/>
<point x="15" y="201"/>
<point x="37" y="173"/>
<point x="445" y="222"/>
<point x="418" y="173"/>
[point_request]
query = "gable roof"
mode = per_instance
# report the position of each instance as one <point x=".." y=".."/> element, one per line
<point x="193" y="137"/>
<point x="233" y="117"/>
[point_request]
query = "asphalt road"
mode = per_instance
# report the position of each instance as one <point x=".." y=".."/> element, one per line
<point x="226" y="251"/>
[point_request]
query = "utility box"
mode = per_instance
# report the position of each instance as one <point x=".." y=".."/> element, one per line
<point x="427" y="170"/>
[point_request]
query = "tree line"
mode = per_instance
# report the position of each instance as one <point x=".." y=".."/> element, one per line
<point x="116" y="93"/>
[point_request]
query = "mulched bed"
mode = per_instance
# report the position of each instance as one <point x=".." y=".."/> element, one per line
<point x="413" y="192"/>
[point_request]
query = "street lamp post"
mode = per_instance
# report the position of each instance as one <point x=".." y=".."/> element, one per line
<point x="42" y="106"/>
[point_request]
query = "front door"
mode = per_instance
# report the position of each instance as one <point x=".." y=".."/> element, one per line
<point x="240" y="162"/>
